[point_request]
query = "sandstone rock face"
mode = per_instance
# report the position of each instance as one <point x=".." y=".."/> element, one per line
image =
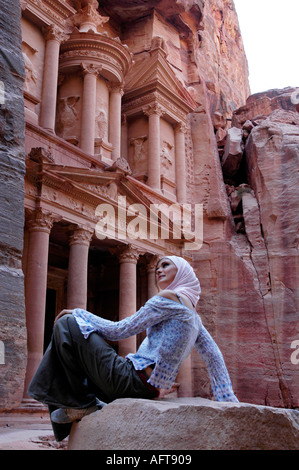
<point x="12" y="169"/>
<point x="250" y="275"/>
<point x="272" y="153"/>
<point x="261" y="105"/>
<point x="186" y="424"/>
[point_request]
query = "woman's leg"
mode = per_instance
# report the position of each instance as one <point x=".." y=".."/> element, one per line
<point x="103" y="371"/>
<point x="75" y="370"/>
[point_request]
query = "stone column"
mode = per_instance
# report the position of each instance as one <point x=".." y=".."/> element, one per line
<point x="128" y="258"/>
<point x="180" y="163"/>
<point x="116" y="92"/>
<point x="124" y="136"/>
<point x="39" y="227"/>
<point x="152" y="289"/>
<point x="90" y="73"/>
<point x="54" y="37"/>
<point x="154" y="179"/>
<point x="78" y="268"/>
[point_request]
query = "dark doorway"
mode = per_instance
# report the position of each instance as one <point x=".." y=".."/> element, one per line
<point x="50" y="316"/>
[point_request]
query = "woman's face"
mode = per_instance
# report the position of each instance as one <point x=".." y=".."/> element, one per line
<point x="165" y="273"/>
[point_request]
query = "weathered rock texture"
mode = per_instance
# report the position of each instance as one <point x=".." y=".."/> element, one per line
<point x="252" y="305"/>
<point x="12" y="169"/>
<point x="209" y="36"/>
<point x="272" y="154"/>
<point x="186" y="424"/>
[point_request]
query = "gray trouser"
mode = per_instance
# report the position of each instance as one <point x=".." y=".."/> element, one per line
<point x="75" y="371"/>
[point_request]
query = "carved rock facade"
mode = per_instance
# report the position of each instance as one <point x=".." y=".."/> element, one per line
<point x="127" y="108"/>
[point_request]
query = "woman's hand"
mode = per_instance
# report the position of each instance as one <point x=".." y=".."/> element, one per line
<point x="163" y="392"/>
<point x="63" y="312"/>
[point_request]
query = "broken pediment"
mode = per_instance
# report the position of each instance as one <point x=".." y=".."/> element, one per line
<point x="154" y="74"/>
<point x="92" y="185"/>
<point x="93" y="194"/>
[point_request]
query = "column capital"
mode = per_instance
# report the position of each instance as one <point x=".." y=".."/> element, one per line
<point x="80" y="235"/>
<point x="54" y="33"/>
<point x="151" y="262"/>
<point x="115" y="87"/>
<point x="127" y="254"/>
<point x="41" y="221"/>
<point x="90" y="69"/>
<point x="181" y="127"/>
<point x="153" y="109"/>
<point x="87" y="16"/>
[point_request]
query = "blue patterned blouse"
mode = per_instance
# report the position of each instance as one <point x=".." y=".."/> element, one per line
<point x="172" y="332"/>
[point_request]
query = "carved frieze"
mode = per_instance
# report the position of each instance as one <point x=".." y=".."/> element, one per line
<point x="47" y="12"/>
<point x="139" y="154"/>
<point x="31" y="75"/>
<point x="166" y="157"/>
<point x="147" y="103"/>
<point x="109" y="191"/>
<point x="68" y="114"/>
<point x="101" y="127"/>
<point x="99" y="49"/>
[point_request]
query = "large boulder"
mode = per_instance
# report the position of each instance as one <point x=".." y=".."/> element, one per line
<point x="186" y="424"/>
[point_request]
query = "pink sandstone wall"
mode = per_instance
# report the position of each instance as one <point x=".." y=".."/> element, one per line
<point x="13" y="347"/>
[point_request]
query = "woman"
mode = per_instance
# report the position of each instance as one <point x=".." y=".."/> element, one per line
<point x="80" y="370"/>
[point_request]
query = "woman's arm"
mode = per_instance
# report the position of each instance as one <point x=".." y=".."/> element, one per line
<point x="154" y="311"/>
<point x="63" y="312"/>
<point x="219" y="377"/>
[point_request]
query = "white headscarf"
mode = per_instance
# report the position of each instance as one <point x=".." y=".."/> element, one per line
<point x="185" y="281"/>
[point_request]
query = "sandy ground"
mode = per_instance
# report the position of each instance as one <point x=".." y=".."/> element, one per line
<point x="28" y="431"/>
